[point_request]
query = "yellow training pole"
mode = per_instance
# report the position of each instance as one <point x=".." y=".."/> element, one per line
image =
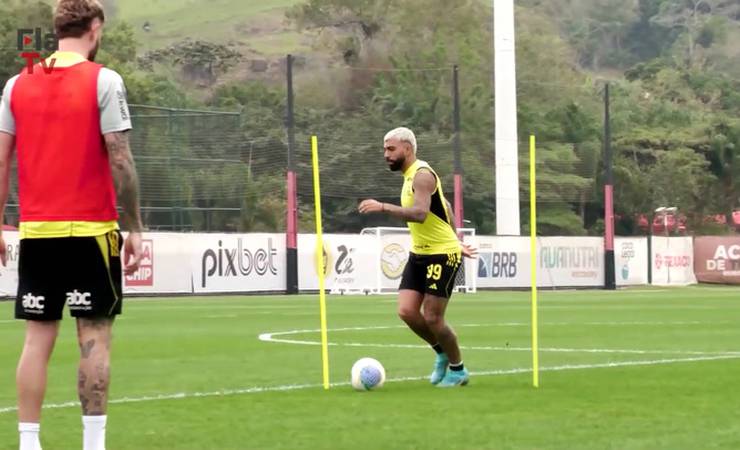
<point x="533" y="259"/>
<point x="320" y="261"/>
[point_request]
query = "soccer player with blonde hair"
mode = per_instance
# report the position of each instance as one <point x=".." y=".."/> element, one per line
<point x="435" y="257"/>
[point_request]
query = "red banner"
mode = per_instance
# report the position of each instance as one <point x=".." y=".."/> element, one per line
<point x="717" y="259"/>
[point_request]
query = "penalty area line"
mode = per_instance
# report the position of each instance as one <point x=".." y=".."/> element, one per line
<point x="295" y="387"/>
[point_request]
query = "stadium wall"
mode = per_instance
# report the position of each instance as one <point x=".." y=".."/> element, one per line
<point x="562" y="262"/>
<point x="204" y="263"/>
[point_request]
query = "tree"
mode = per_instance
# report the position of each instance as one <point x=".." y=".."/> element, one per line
<point x="680" y="178"/>
<point x="690" y="16"/>
<point x="355" y="22"/>
<point x="724" y="160"/>
<point x="199" y="61"/>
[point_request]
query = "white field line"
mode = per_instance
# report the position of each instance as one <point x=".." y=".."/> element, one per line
<point x="514" y="324"/>
<point x="271" y="337"/>
<point x="202" y="305"/>
<point x="268" y="338"/>
<point x="294" y="387"/>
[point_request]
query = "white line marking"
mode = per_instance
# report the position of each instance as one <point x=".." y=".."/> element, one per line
<point x="218" y="306"/>
<point x="223" y="316"/>
<point x="294" y="387"/>
<point x="612" y="324"/>
<point x="270" y="337"/>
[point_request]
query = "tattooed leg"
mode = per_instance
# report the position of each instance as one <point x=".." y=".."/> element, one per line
<point x="94" y="336"/>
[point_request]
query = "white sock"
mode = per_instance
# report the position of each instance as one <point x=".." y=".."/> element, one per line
<point x="29" y="436"/>
<point x="93" y="434"/>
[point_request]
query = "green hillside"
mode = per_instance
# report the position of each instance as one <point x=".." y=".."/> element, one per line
<point x="256" y="23"/>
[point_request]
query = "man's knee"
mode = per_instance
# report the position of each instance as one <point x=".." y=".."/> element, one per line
<point x="434" y="319"/>
<point x="408" y="314"/>
<point x="41" y="333"/>
<point x="94" y="338"/>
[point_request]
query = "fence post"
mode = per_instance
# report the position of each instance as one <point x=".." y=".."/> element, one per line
<point x="457" y="148"/>
<point x="291" y="238"/>
<point x="172" y="168"/>
<point x="609" y="263"/>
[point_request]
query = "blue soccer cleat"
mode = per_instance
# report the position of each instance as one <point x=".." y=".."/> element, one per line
<point x="455" y="378"/>
<point x="440" y="368"/>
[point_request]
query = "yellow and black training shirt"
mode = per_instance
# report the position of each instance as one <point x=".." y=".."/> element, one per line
<point x="435" y="235"/>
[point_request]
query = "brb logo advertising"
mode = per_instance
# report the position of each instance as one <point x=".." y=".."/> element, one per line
<point x="498" y="265"/>
<point x="34" y="39"/>
<point x="145" y="275"/>
<point x="224" y="262"/>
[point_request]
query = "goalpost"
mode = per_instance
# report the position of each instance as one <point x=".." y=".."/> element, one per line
<point x="391" y="250"/>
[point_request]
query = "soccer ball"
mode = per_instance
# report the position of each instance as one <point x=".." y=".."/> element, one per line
<point x="367" y="374"/>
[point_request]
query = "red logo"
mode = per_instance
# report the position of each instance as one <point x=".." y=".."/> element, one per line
<point x="145" y="275"/>
<point x="670" y="261"/>
<point x="40" y="41"/>
<point x="30" y="57"/>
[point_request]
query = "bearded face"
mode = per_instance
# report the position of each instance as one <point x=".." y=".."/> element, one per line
<point x="395" y="153"/>
<point x="94" y="51"/>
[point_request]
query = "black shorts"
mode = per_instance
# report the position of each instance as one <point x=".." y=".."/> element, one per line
<point x="431" y="274"/>
<point x="83" y="272"/>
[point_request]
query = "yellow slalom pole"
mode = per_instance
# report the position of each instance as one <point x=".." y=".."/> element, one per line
<point x="533" y="259"/>
<point x="320" y="261"/>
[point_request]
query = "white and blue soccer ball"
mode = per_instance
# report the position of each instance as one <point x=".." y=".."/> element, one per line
<point x="367" y="374"/>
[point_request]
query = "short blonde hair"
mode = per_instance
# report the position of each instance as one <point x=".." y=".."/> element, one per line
<point x="73" y="18"/>
<point x="403" y="134"/>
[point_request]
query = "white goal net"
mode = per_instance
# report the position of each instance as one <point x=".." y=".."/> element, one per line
<point x="392" y="251"/>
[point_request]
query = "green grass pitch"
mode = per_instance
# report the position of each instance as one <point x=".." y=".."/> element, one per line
<point x="632" y="369"/>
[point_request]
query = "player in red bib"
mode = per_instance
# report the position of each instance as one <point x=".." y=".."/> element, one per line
<point x="68" y="129"/>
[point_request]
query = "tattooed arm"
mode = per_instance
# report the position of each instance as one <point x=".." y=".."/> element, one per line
<point x="125" y="178"/>
<point x="7" y="144"/>
<point x="126" y="181"/>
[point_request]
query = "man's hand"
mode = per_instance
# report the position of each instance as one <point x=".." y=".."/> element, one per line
<point x="3" y="250"/>
<point x="132" y="253"/>
<point x="370" y="206"/>
<point x="469" y="251"/>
